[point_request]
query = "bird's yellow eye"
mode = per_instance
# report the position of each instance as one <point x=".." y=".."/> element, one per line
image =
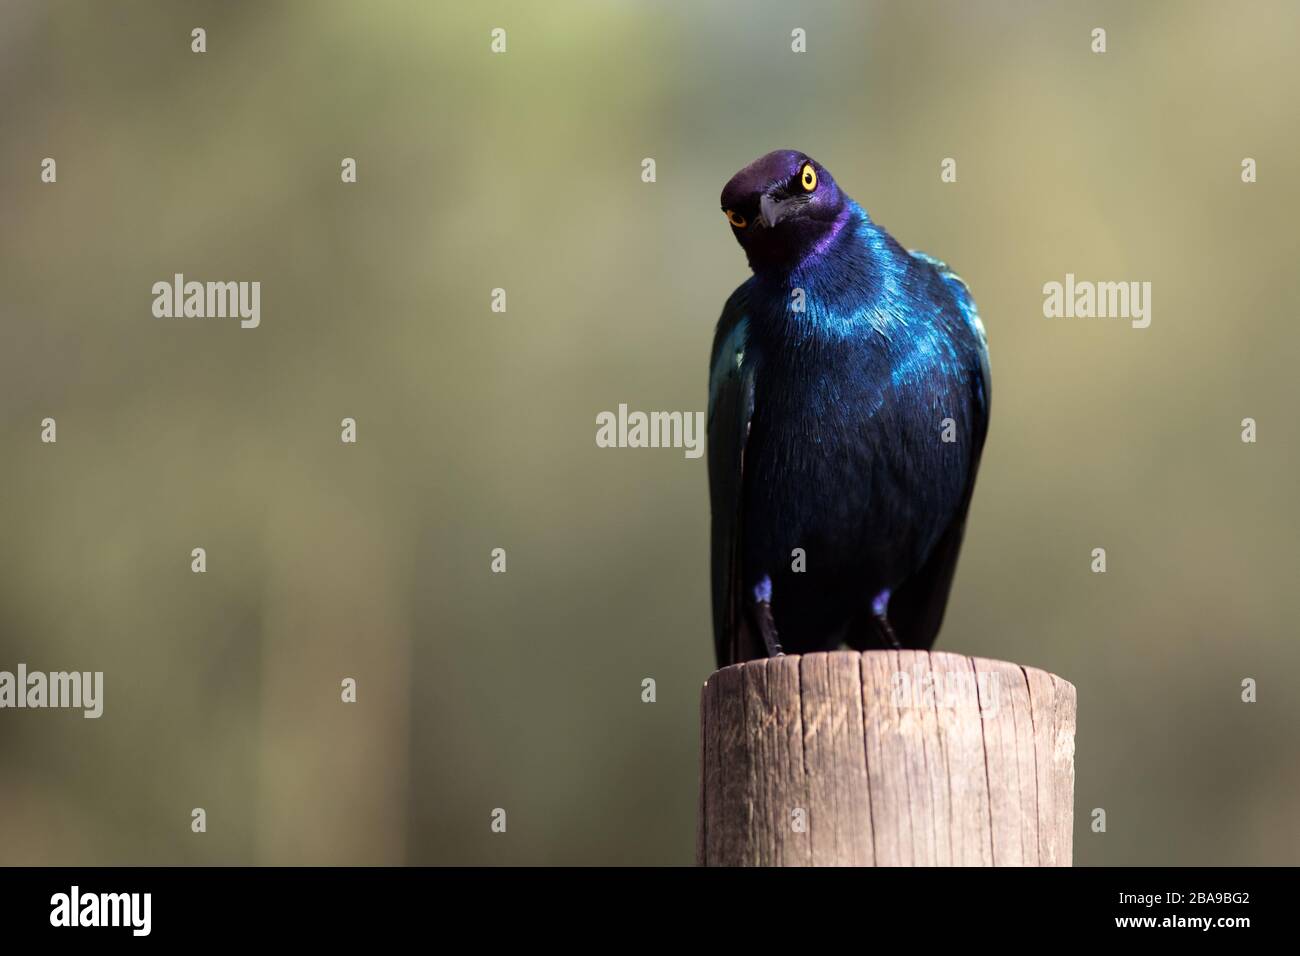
<point x="808" y="178"/>
<point x="736" y="219"/>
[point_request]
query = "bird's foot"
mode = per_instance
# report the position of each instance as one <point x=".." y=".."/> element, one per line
<point x="880" y="611"/>
<point x="763" y="616"/>
<point x="767" y="627"/>
<point x="888" y="631"/>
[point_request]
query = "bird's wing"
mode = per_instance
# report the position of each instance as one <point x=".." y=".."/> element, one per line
<point x="916" y="609"/>
<point x="731" y="405"/>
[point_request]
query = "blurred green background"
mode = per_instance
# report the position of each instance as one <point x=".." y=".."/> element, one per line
<point x="476" y="430"/>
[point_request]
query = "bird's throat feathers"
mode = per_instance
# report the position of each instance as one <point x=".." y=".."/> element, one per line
<point x="852" y="280"/>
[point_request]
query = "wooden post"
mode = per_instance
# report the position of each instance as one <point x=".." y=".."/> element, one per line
<point x="885" y="758"/>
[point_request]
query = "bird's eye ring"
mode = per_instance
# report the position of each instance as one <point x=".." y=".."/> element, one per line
<point x="737" y="220"/>
<point x="808" y="178"/>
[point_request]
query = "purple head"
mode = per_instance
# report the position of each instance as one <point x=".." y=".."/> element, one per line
<point x="782" y="207"/>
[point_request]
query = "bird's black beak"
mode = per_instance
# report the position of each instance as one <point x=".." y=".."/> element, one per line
<point x="772" y="209"/>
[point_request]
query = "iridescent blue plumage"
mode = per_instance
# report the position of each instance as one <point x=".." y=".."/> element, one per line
<point x="848" y="404"/>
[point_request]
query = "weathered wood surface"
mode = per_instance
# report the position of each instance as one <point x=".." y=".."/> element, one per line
<point x="886" y="758"/>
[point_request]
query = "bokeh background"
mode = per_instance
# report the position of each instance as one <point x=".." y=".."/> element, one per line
<point x="476" y="430"/>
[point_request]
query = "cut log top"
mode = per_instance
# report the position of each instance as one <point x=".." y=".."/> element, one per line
<point x="886" y="758"/>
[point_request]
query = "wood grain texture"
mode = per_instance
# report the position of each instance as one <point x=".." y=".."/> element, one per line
<point x="885" y="758"/>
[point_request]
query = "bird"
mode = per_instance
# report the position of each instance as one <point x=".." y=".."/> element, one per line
<point x="848" y="407"/>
